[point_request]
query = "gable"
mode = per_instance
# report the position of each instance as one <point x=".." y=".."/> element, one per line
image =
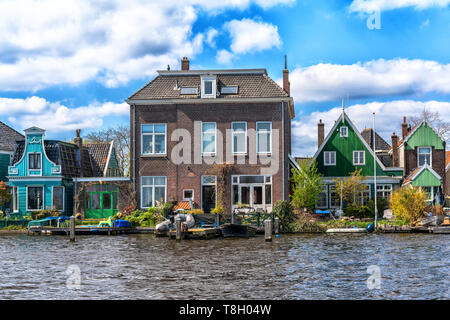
<point x="426" y="179"/>
<point x="424" y="136"/>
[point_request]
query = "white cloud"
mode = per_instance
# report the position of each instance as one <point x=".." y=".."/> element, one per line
<point x="56" y="117"/>
<point x="211" y="34"/>
<point x="367" y="6"/>
<point x="389" y="116"/>
<point x="224" y="56"/>
<point x="330" y="82"/>
<point x="49" y="42"/>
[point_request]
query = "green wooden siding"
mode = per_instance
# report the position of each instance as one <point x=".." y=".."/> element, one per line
<point x="424" y="136"/>
<point x="344" y="148"/>
<point x="426" y="179"/>
<point x="113" y="163"/>
<point x="4" y="163"/>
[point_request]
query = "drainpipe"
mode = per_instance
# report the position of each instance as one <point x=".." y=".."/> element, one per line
<point x="282" y="145"/>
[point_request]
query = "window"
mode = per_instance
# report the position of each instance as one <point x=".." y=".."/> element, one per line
<point x="424" y="156"/>
<point x="322" y="200"/>
<point x="154" y="139"/>
<point x="239" y="137"/>
<point x="189" y="90"/>
<point x="264" y="137"/>
<point x="429" y="193"/>
<point x="229" y="90"/>
<point x="335" y="200"/>
<point x="209" y="87"/>
<point x="153" y="191"/>
<point x="329" y="158"/>
<point x="35" y="198"/>
<point x="359" y="158"/>
<point x="188" y="195"/>
<point x="384" y="191"/>
<point x="344" y="132"/>
<point x="254" y="191"/>
<point x="34" y="161"/>
<point x="15" y="202"/>
<point x="58" y="198"/>
<point x="364" y="197"/>
<point x="208" y="137"/>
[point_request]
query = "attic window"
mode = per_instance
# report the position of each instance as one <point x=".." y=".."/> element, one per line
<point x="344" y="132"/>
<point x="229" y="90"/>
<point x="189" y="90"/>
<point x="209" y="86"/>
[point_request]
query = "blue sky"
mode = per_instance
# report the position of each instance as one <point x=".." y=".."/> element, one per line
<point x="73" y="65"/>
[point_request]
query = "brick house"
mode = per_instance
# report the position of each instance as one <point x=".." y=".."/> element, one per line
<point x="185" y="123"/>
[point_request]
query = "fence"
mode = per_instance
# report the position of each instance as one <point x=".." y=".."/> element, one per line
<point x="19" y="223"/>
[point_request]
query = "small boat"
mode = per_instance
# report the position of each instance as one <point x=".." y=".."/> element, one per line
<point x="232" y="230"/>
<point x="347" y="230"/>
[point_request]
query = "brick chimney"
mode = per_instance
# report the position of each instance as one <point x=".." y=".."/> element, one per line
<point x="78" y="141"/>
<point x="320" y="133"/>
<point x="286" y="83"/>
<point x="404" y="128"/>
<point x="185" y="63"/>
<point x="395" y="159"/>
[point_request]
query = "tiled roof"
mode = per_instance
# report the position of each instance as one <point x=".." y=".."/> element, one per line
<point x="99" y="156"/>
<point x="183" y="205"/>
<point x="381" y="144"/>
<point x="8" y="137"/>
<point x="250" y="85"/>
<point x="411" y="175"/>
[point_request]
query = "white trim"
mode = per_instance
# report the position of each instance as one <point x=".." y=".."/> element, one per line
<point x="270" y="140"/>
<point x="251" y="185"/>
<point x="153" y="189"/>
<point x="431" y="155"/>
<point x="420" y="171"/>
<point x="187" y="199"/>
<point x="213" y="80"/>
<point x="34" y="178"/>
<point x="6" y="152"/>
<point x="325" y="187"/>
<point x="209" y="101"/>
<point x="105" y="171"/>
<point x="393" y="180"/>
<point x="106" y="179"/>
<point x="330" y="164"/>
<point x="296" y="165"/>
<point x="153" y="154"/>
<point x="215" y="139"/>
<point x="346" y="132"/>
<point x="359" y="153"/>
<point x="209" y="184"/>
<point x="43" y="197"/>
<point x="417" y="127"/>
<point x="40" y="165"/>
<point x="64" y="197"/>
<point x="245" y="137"/>
<point x="15" y="194"/>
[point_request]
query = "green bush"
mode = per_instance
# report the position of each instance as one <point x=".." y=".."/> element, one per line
<point x="382" y="204"/>
<point x="149" y="218"/>
<point x="358" y="212"/>
<point x="283" y="211"/>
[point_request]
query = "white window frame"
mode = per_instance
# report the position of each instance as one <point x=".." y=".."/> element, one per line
<point x="359" y="158"/>
<point x="43" y="197"/>
<point x="213" y="79"/>
<point x="233" y="133"/>
<point x="346" y="132"/>
<point x="267" y="180"/>
<point x="257" y="137"/>
<point x="325" y="191"/>
<point x="64" y="195"/>
<point x="153" y="189"/>
<point x="153" y="153"/>
<point x="187" y="199"/>
<point x="40" y="165"/>
<point x="15" y="199"/>
<point x="329" y="163"/>
<point x="368" y="190"/>
<point x="431" y="156"/>
<point x="330" y="187"/>
<point x="215" y="138"/>
<point x="386" y="189"/>
<point x="431" y="193"/>
<point x="207" y="184"/>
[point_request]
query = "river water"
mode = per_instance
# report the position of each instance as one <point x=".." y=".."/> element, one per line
<point x="410" y="266"/>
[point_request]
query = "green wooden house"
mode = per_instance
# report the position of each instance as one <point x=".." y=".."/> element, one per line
<point x="422" y="155"/>
<point x="42" y="172"/>
<point x="8" y="138"/>
<point x="342" y="151"/>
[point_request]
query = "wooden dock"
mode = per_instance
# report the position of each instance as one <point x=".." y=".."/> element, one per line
<point x="195" y="233"/>
<point x="80" y="231"/>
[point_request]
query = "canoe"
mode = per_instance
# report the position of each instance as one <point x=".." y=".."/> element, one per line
<point x="347" y="230"/>
<point x="232" y="230"/>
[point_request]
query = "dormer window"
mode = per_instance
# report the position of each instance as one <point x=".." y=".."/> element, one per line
<point x="424" y="156"/>
<point x="344" y="132"/>
<point x="209" y="86"/>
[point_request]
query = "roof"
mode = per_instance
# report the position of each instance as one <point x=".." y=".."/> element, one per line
<point x="252" y="83"/>
<point x="89" y="162"/>
<point x="414" y="129"/>
<point x="183" y="205"/>
<point x="417" y="171"/>
<point x="381" y="144"/>
<point x="8" y="137"/>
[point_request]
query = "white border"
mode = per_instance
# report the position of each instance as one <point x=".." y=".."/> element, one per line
<point x="257" y="137"/>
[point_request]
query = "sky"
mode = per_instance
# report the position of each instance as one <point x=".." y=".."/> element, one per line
<point x="72" y="64"/>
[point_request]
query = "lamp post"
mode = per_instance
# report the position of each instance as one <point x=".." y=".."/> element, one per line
<point x="375" y="170"/>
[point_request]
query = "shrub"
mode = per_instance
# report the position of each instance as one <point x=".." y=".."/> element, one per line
<point x="283" y="211"/>
<point x="149" y="218"/>
<point x="308" y="184"/>
<point x="218" y="210"/>
<point x="42" y="214"/>
<point x="196" y="211"/>
<point x="408" y="203"/>
<point x="358" y="211"/>
<point x="382" y="204"/>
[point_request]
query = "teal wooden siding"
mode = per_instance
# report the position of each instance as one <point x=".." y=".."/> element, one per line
<point x="4" y="163"/>
<point x="113" y="163"/>
<point x="344" y="147"/>
<point x="424" y="136"/>
<point x="426" y="179"/>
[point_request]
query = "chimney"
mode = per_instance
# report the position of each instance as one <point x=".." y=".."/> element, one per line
<point x="286" y="83"/>
<point x="320" y="133"/>
<point x="78" y="141"/>
<point x="185" y="63"/>
<point x="404" y="128"/>
<point x="395" y="159"/>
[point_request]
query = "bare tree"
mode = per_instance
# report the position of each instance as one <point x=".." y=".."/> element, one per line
<point x="434" y="118"/>
<point x="121" y="137"/>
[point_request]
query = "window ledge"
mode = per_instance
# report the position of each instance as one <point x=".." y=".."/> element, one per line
<point x="159" y="155"/>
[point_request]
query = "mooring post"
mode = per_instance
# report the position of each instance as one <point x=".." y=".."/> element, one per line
<point x="72" y="228"/>
<point x="268" y="230"/>
<point x="218" y="219"/>
<point x="277" y="225"/>
<point x="178" y="225"/>
<point x="232" y="217"/>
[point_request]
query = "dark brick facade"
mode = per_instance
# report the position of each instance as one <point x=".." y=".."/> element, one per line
<point x="188" y="176"/>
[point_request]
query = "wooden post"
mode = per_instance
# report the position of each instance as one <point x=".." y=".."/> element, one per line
<point x="268" y="230"/>
<point x="218" y="219"/>
<point x="232" y="217"/>
<point x="178" y="224"/>
<point x="277" y="225"/>
<point x="72" y="228"/>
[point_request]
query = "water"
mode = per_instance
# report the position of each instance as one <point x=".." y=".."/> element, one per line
<point x="291" y="267"/>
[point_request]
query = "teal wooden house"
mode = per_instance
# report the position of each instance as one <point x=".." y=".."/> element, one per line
<point x="342" y="152"/>
<point x="8" y="138"/>
<point x="42" y="172"/>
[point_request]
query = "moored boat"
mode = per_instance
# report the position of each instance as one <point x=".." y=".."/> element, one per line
<point x="230" y="230"/>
